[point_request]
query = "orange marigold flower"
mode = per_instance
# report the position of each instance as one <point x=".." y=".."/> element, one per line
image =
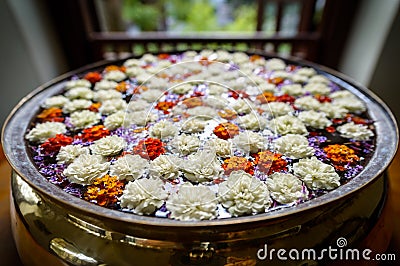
<point x="341" y="156"/>
<point x="237" y="163"/>
<point x="94" y="133"/>
<point x="285" y="98"/>
<point x="94" y="107"/>
<point x="255" y="57"/>
<point x="266" y="97"/>
<point x="276" y="81"/>
<point x="93" y="77"/>
<point x="114" y="67"/>
<point x="269" y="162"/>
<point x="164" y="106"/>
<point x="323" y="98"/>
<point x="226" y="130"/>
<point x="51" y="115"/>
<point x="235" y="94"/>
<point x="53" y="145"/>
<point x="149" y="148"/>
<point x="192" y="102"/>
<point x="122" y="86"/>
<point x="163" y="56"/>
<point x="105" y="191"/>
<point x="227" y="114"/>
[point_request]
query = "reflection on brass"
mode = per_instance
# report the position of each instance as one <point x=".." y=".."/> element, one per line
<point x="234" y="261"/>
<point x="69" y="253"/>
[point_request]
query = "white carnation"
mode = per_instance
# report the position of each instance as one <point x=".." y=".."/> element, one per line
<point x="275" y="109"/>
<point x="185" y="144"/>
<point x="242" y="106"/>
<point x="140" y="118"/>
<point x="355" y="131"/>
<point x="67" y="154"/>
<point x="41" y="132"/>
<point x="243" y="194"/>
<point x="104" y="95"/>
<point x="108" y="146"/>
<point x="292" y="89"/>
<point x="105" y="84"/>
<point x="86" y="168"/>
<point x="319" y="79"/>
<point x="307" y="103"/>
<point x="193" y="126"/>
<point x="182" y="88"/>
<point x="75" y="105"/>
<point x="287" y="124"/>
<point x="285" y="188"/>
<point x="275" y="64"/>
<point x="79" y="93"/>
<point x="132" y="62"/>
<point x="314" y="119"/>
<point x="202" y="166"/>
<point x="56" y="101"/>
<point x="306" y="71"/>
<point x="252" y="122"/>
<point x="134" y="71"/>
<point x="316" y="174"/>
<point x="299" y="78"/>
<point x="317" y="88"/>
<point x="216" y="102"/>
<point x="152" y="95"/>
<point x="138" y="105"/>
<point x="249" y="141"/>
<point x="202" y="112"/>
<point x="129" y="167"/>
<point x="352" y="104"/>
<point x="77" y="83"/>
<point x="149" y="58"/>
<point x="281" y="74"/>
<point x="192" y="203"/>
<point x="84" y="119"/>
<point x="215" y="89"/>
<point x="221" y="147"/>
<point x="165" y="167"/>
<point x="240" y="57"/>
<point x="144" y="196"/>
<point x="163" y="129"/>
<point x="294" y="146"/>
<point x="115" y="120"/>
<point x="115" y="75"/>
<point x="333" y="111"/>
<point x="341" y="94"/>
<point x="111" y="106"/>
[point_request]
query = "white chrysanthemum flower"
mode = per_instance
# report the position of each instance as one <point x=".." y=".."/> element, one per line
<point x="285" y="188"/>
<point x="165" y="167"/>
<point x="86" y="168"/>
<point x="296" y="78"/>
<point x="56" y="101"/>
<point x="333" y="111"/>
<point x="152" y="95"/>
<point x="275" y="64"/>
<point x="275" y="109"/>
<point x="182" y="88"/>
<point x="132" y="62"/>
<point x="108" y="146"/>
<point x="115" y="120"/>
<point x="140" y="118"/>
<point x="138" y="105"/>
<point x="307" y="103"/>
<point x="319" y="79"/>
<point x="111" y="106"/>
<point x="253" y="90"/>
<point x="306" y="71"/>
<point x="355" y="131"/>
<point x="115" y="75"/>
<point x="249" y="141"/>
<point x="84" y="119"/>
<point x="129" y="167"/>
<point x="316" y="174"/>
<point x="134" y="71"/>
<point x="185" y="144"/>
<point x="79" y="93"/>
<point x="243" y="194"/>
<point x="221" y="147"/>
<point x="67" y="154"/>
<point x="341" y="94"/>
<point x="202" y="112"/>
<point x="41" y="132"/>
<point x="317" y="88"/>
<point x="292" y="89"/>
<point x="193" y="126"/>
<point x="215" y="89"/>
<point x="104" y="95"/>
<point x="294" y="146"/>
<point x="314" y="119"/>
<point x="202" y="166"/>
<point x="281" y="74"/>
<point x="267" y="87"/>
<point x="240" y="57"/>
<point x="192" y="203"/>
<point x="144" y="196"/>
<point x="252" y="121"/>
<point x="149" y="58"/>
<point x="163" y="129"/>
<point x="76" y="105"/>
<point x="77" y="83"/>
<point x="287" y="124"/>
<point x="223" y="56"/>
<point x="216" y="102"/>
<point x="242" y="106"/>
<point x="156" y="83"/>
<point x="105" y="84"/>
<point x="352" y="104"/>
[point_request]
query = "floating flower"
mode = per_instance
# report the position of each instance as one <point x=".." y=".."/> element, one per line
<point x="53" y="145"/>
<point x="94" y="133"/>
<point x="292" y="89"/>
<point x="221" y="147"/>
<point x="227" y="114"/>
<point x="41" y="132"/>
<point x="105" y="85"/>
<point x="269" y="162"/>
<point x="86" y="168"/>
<point x="202" y="112"/>
<point x="149" y="148"/>
<point x="163" y="129"/>
<point x="316" y="174"/>
<point x="77" y="83"/>
<point x="182" y="88"/>
<point x="294" y="146"/>
<point x="249" y="141"/>
<point x="237" y="163"/>
<point x="288" y="124"/>
<point x="355" y="131"/>
<point x="252" y="121"/>
<point x="139" y="118"/>
<point x="68" y="153"/>
<point x="138" y="105"/>
<point x="56" y="101"/>
<point x="104" y="95"/>
<point x="193" y="125"/>
<point x="352" y="104"/>
<point x="84" y="119"/>
<point x="341" y="156"/>
<point x="144" y="196"/>
<point x="226" y="130"/>
<point x="112" y="106"/>
<point x="192" y="203"/>
<point x="286" y="188"/>
<point x="243" y="194"/>
<point x="108" y="146"/>
<point x="185" y="144"/>
<point x="317" y="88"/>
<point x="115" y="75"/>
<point x="201" y="166"/>
<point x="165" y="106"/>
<point x="52" y="114"/>
<point x="165" y="167"/>
<point x="307" y="103"/>
<point x="266" y="97"/>
<point x="129" y="167"/>
<point x="104" y="191"/>
<point x="151" y="96"/>
<point x="275" y="109"/>
<point x="314" y="119"/>
<point x="333" y="111"/>
<point x="242" y="106"/>
<point x="79" y="93"/>
<point x="93" y="77"/>
<point x="76" y="105"/>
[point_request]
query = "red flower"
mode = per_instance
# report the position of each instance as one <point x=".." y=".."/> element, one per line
<point x="94" y="133"/>
<point x="53" y="145"/>
<point x="93" y="77"/>
<point x="285" y="98"/>
<point x="165" y="106"/>
<point x="149" y="148"/>
<point x="51" y="115"/>
<point x="269" y="162"/>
